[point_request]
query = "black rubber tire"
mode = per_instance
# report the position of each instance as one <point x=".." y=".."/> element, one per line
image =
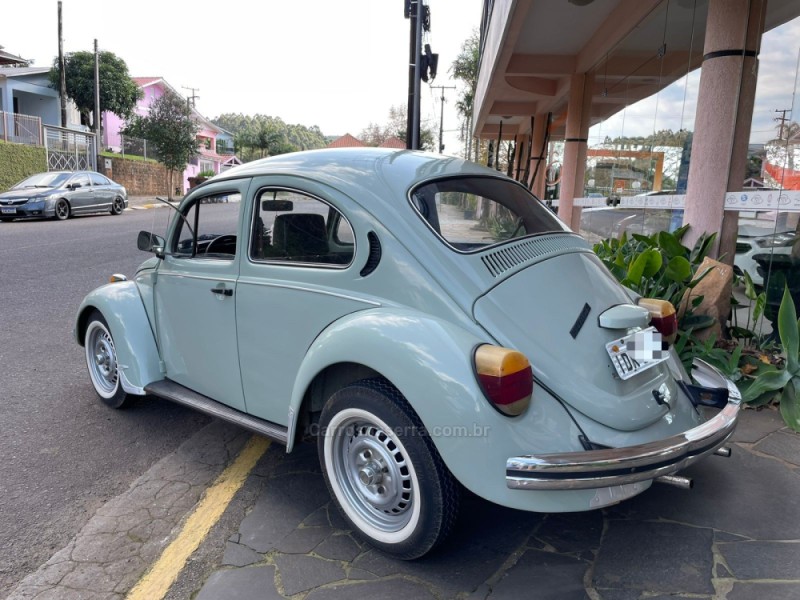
<point x="438" y="491"/>
<point x="63" y="210"/>
<point x="6" y="219"/>
<point x="112" y="394"/>
<point x="117" y="206"/>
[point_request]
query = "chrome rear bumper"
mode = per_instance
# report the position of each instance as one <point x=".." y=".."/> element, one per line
<point x="618" y="466"/>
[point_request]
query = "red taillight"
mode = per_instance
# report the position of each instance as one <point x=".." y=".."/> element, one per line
<point x="662" y="316"/>
<point x="506" y="378"/>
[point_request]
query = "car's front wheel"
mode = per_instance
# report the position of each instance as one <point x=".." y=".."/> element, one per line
<point x="62" y="209"/>
<point x="383" y="470"/>
<point x="117" y="206"/>
<point x="101" y="359"/>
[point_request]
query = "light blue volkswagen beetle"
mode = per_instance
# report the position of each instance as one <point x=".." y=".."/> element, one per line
<point x="428" y="319"/>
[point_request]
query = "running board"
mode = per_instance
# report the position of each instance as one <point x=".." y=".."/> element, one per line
<point x="175" y="392"/>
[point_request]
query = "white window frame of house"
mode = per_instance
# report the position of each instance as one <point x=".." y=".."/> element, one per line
<point x="206" y="165"/>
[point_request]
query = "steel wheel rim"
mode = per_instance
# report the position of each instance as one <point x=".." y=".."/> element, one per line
<point x="373" y="473"/>
<point x="62" y="210"/>
<point x="101" y="357"/>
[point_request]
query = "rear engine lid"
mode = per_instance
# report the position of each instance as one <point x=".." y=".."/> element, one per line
<point x="551" y="312"/>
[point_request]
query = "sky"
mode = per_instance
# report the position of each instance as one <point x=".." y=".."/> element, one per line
<point x="336" y="65"/>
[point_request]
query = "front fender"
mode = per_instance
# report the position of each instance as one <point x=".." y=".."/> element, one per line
<point x="430" y="361"/>
<point x="137" y="353"/>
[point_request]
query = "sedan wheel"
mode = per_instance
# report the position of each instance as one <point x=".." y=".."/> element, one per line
<point x="384" y="471"/>
<point x="62" y="210"/>
<point x="117" y="206"/>
<point x="101" y="359"/>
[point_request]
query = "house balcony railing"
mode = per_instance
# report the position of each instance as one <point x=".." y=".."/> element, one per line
<point x="20" y="129"/>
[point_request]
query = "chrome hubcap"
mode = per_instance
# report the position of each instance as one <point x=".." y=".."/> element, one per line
<point x="374" y="474"/>
<point x="103" y="367"/>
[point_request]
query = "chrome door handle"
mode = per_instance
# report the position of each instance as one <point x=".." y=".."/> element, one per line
<point x="222" y="291"/>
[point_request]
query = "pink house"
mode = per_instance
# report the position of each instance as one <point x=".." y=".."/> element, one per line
<point x="215" y="145"/>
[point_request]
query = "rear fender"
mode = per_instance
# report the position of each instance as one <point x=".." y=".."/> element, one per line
<point x="430" y="362"/>
<point x="137" y="353"/>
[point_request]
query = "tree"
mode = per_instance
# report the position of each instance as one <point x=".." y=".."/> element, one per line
<point x="465" y="69"/>
<point x="261" y="135"/>
<point x="170" y="130"/>
<point x="396" y="126"/>
<point x="118" y="92"/>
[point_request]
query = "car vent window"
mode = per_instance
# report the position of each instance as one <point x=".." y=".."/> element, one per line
<point x="291" y="227"/>
<point x="472" y="213"/>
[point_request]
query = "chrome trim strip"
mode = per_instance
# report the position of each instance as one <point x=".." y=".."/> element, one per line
<point x="617" y="466"/>
<point x="243" y="280"/>
<point x="192" y="276"/>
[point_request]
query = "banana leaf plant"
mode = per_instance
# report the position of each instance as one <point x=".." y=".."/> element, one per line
<point x="660" y="266"/>
<point x="786" y="380"/>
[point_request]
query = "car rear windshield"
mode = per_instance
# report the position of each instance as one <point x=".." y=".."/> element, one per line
<point x="471" y="213"/>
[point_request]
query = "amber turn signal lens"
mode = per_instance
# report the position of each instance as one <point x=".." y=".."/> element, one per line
<point x="506" y="378"/>
<point x="662" y="316"/>
<point x="117" y="277"/>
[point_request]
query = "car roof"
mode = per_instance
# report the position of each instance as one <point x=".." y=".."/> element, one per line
<point x="347" y="167"/>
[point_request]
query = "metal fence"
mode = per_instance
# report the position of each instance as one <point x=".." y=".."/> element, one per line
<point x="133" y="146"/>
<point x="20" y="129"/>
<point x="69" y="150"/>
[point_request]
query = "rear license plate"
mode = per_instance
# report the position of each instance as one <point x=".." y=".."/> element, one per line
<point x="8" y="211"/>
<point x="637" y="352"/>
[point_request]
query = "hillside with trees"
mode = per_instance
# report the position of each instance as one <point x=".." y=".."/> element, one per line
<point x="258" y="136"/>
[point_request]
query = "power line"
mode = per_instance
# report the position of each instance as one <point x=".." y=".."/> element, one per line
<point x="191" y="100"/>
<point x="441" y="113"/>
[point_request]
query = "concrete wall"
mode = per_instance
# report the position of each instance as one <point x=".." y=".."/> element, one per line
<point x="139" y="178"/>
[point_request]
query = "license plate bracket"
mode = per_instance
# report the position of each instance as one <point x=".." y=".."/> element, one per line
<point x="637" y="352"/>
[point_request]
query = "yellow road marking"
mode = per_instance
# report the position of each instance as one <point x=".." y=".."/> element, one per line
<point x="157" y="581"/>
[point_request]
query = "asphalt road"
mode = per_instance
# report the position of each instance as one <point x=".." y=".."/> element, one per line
<point x="63" y="454"/>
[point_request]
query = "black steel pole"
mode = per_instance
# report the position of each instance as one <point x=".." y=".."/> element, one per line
<point x="417" y="76"/>
<point x="412" y="54"/>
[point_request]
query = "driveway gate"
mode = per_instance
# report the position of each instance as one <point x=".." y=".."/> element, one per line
<point x="69" y="150"/>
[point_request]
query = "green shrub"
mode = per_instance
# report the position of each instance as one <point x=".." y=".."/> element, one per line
<point x="18" y="161"/>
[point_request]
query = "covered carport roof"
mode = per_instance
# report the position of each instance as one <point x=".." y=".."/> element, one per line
<point x="531" y="48"/>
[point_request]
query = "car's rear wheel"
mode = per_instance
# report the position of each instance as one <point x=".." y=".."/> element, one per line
<point x="383" y="470"/>
<point x="117" y="206"/>
<point x="62" y="210"/>
<point x="101" y="360"/>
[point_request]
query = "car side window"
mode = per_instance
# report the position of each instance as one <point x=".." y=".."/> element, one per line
<point x="98" y="179"/>
<point x="80" y="181"/>
<point x="207" y="228"/>
<point x="293" y="227"/>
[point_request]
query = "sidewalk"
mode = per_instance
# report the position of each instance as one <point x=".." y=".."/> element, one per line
<point x="146" y="202"/>
<point x="736" y="536"/>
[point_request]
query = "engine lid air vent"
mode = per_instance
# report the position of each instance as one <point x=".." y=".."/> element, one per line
<point x="531" y="250"/>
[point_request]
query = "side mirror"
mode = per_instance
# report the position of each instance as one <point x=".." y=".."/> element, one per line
<point x="150" y="242"/>
<point x="73" y="186"/>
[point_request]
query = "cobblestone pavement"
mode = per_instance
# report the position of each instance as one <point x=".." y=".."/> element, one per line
<point x="735" y="536"/>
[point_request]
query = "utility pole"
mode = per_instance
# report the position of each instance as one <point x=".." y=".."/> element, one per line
<point x="62" y="75"/>
<point x="782" y="119"/>
<point x="441" y="113"/>
<point x="415" y="12"/>
<point x="97" y="125"/>
<point x="191" y="100"/>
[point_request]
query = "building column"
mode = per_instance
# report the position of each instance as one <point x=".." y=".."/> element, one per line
<point x="575" y="141"/>
<point x="724" y="116"/>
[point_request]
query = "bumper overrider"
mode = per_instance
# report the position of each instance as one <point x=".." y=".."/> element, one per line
<point x="617" y="466"/>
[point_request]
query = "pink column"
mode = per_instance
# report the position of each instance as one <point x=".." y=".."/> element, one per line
<point x="724" y="115"/>
<point x="575" y="138"/>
